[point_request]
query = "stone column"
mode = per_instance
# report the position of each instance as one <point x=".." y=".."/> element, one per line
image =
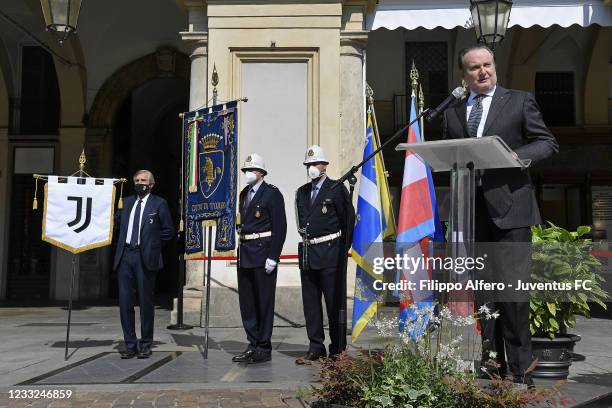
<point x="352" y="108"/>
<point x="197" y="39"/>
<point x="4" y="219"/>
<point x="71" y="143"/>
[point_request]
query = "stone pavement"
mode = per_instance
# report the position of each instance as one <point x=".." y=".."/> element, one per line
<point x="32" y="359"/>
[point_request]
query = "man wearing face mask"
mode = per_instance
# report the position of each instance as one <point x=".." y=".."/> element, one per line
<point x="144" y="222"/>
<point x="262" y="229"/>
<point x="325" y="220"/>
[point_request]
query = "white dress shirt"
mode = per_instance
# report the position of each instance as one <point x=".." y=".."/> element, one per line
<point x="129" y="230"/>
<point x="486" y="104"/>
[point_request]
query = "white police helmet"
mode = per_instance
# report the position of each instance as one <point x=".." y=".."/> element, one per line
<point x="315" y="154"/>
<point x="254" y="162"/>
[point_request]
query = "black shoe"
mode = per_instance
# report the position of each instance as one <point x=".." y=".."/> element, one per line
<point x="310" y="357"/>
<point x="527" y="381"/>
<point x="260" y="357"/>
<point x="243" y="357"/>
<point x="127" y="354"/>
<point x="145" y="352"/>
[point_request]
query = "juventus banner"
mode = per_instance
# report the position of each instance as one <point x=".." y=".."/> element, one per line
<point x="210" y="179"/>
<point x="78" y="213"/>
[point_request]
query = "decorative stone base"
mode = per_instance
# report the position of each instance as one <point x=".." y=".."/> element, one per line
<point x="225" y="310"/>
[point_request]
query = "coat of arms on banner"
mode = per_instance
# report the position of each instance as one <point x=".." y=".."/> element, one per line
<point x="210" y="175"/>
<point x="78" y="212"/>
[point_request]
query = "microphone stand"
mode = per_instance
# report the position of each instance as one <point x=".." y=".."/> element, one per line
<point x="350" y="176"/>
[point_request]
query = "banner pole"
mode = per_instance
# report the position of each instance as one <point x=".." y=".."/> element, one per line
<point x="181" y="240"/>
<point x="69" y="307"/>
<point x="208" y="272"/>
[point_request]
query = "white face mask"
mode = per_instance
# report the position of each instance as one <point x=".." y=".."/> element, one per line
<point x="250" y="177"/>
<point x="314" y="172"/>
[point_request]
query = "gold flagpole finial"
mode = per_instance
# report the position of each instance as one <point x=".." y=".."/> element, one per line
<point x="421" y="99"/>
<point x="414" y="76"/>
<point x="82" y="160"/>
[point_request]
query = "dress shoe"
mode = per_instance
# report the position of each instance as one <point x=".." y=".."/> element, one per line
<point x="526" y="381"/>
<point x="310" y="357"/>
<point x="243" y="357"/>
<point x="127" y="354"/>
<point x="260" y="357"/>
<point x="145" y="352"/>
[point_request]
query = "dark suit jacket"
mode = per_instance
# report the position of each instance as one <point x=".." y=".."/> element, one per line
<point x="515" y="117"/>
<point x="266" y="212"/>
<point x="156" y="227"/>
<point x="339" y="215"/>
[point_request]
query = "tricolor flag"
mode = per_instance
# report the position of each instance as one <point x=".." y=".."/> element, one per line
<point x="418" y="224"/>
<point x="192" y="134"/>
<point x="372" y="224"/>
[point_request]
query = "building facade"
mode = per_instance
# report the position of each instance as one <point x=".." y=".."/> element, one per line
<point x="116" y="89"/>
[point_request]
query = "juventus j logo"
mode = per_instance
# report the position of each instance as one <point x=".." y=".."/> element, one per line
<point x="79" y="213"/>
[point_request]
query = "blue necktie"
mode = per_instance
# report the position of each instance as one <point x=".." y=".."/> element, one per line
<point x="314" y="194"/>
<point x="136" y="225"/>
<point x="475" y="116"/>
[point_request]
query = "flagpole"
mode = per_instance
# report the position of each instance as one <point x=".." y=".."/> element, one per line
<point x="350" y="176"/>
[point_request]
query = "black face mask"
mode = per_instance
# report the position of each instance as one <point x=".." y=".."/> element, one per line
<point x="142" y="189"/>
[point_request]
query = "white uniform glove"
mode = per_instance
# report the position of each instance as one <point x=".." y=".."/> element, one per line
<point x="270" y="266"/>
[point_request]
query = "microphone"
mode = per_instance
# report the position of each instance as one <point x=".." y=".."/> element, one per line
<point x="456" y="95"/>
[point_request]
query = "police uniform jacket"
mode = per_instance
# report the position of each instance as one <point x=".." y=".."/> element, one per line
<point x="266" y="212"/>
<point x="331" y="211"/>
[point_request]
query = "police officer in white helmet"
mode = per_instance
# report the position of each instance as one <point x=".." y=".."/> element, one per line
<point x="326" y="219"/>
<point x="263" y="227"/>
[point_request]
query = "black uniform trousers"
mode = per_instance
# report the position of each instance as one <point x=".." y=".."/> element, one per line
<point x="132" y="275"/>
<point x="256" y="294"/>
<point x="508" y="335"/>
<point x="314" y="283"/>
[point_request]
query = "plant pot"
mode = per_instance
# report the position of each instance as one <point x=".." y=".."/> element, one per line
<point x="554" y="356"/>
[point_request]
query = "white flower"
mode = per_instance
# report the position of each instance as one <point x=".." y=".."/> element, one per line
<point x="484" y="309"/>
<point x="492" y="354"/>
<point x="495" y="315"/>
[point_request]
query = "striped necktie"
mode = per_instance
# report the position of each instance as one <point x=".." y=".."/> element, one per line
<point x="475" y="116"/>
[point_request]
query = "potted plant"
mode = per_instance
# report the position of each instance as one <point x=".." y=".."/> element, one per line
<point x="565" y="258"/>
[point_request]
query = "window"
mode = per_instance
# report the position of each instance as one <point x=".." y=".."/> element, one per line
<point x="554" y="92"/>
<point x="40" y="99"/>
<point x="431" y="60"/>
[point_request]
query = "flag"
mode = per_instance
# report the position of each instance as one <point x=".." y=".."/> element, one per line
<point x="418" y="225"/>
<point x="192" y="137"/>
<point x="388" y="218"/>
<point x="79" y="213"/>
<point x="371" y="223"/>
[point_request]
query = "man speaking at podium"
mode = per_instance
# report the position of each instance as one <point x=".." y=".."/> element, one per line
<point x="506" y="205"/>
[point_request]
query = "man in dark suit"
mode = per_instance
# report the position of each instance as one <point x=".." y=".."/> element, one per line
<point x="145" y="222"/>
<point x="506" y="205"/>
<point x="326" y="219"/>
<point x="262" y="228"/>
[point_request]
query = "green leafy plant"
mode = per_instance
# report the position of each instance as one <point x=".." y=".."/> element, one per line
<point x="563" y="257"/>
<point x="422" y="365"/>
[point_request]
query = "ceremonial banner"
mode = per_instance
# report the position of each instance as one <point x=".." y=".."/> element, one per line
<point x="78" y="213"/>
<point x="210" y="175"/>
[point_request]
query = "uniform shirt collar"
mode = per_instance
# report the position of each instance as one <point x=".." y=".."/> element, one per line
<point x="473" y="95"/>
<point x="256" y="186"/>
<point x="319" y="182"/>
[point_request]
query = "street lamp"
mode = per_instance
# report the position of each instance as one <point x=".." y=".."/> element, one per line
<point x="61" y="16"/>
<point x="490" y="20"/>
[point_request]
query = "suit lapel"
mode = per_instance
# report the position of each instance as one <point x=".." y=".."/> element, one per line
<point x="461" y="112"/>
<point x="146" y="211"/>
<point x="500" y="98"/>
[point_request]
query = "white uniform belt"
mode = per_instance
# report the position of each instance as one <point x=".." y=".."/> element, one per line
<point x="248" y="237"/>
<point x="324" y="238"/>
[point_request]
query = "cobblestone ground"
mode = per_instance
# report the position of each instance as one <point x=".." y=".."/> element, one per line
<point x="173" y="398"/>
